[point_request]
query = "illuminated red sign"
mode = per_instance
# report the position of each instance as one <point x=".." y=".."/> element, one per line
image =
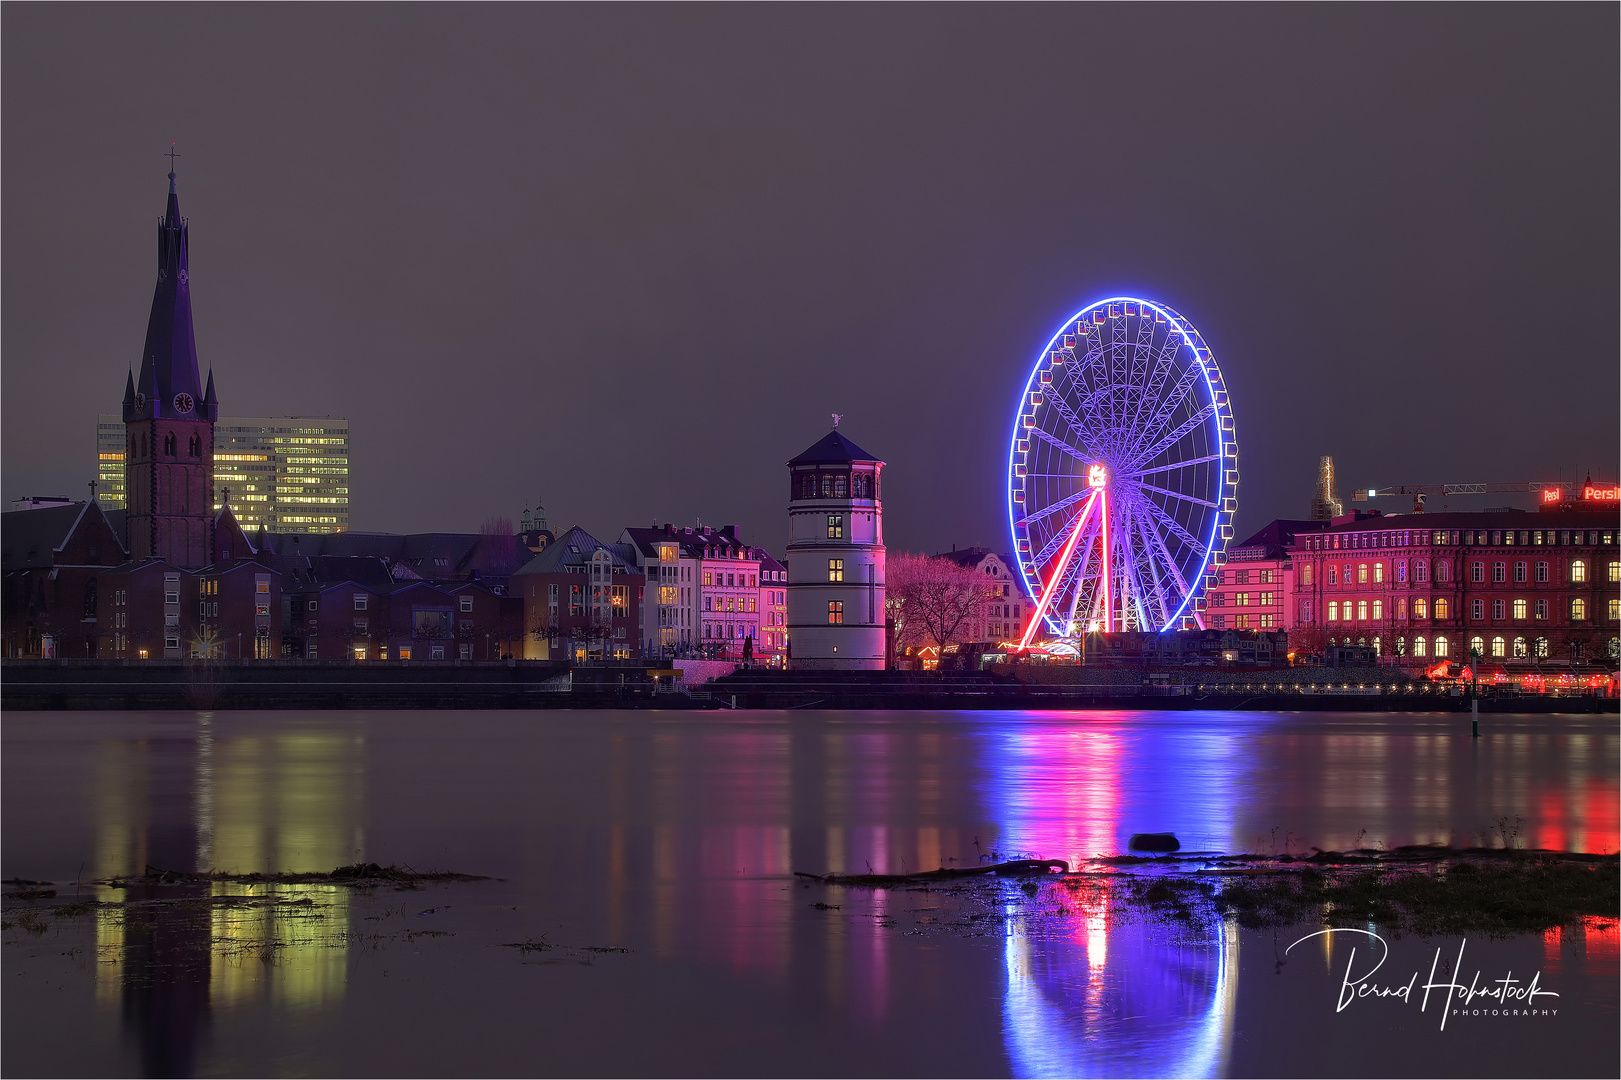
<point x="1551" y="495"/>
<point x="1600" y="494"/>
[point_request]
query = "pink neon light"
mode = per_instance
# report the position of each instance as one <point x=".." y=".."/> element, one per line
<point x="1063" y="563"/>
<point x="1108" y="578"/>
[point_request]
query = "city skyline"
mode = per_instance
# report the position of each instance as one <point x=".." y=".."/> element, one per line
<point x="852" y="225"/>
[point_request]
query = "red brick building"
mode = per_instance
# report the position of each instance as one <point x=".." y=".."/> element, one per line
<point x="1527" y="590"/>
<point x="582" y="600"/>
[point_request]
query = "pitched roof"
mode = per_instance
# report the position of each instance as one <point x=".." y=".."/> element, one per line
<point x="833" y="449"/>
<point x="29" y="539"/>
<point x="575" y="548"/>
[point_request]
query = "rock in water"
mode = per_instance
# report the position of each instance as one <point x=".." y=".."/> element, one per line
<point x="1157" y="842"/>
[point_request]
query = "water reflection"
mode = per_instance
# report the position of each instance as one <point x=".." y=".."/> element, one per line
<point x="168" y="955"/>
<point x="1105" y="997"/>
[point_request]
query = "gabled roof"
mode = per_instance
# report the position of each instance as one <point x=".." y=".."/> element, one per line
<point x="833" y="449"/>
<point x="575" y="548"/>
<point x="30" y="539"/>
<point x="1277" y="535"/>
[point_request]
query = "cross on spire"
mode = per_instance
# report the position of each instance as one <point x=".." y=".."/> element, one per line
<point x="171" y="155"/>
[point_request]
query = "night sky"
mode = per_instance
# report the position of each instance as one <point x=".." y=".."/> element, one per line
<point x="629" y="258"/>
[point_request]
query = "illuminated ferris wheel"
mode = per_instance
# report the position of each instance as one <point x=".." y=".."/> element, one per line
<point x="1122" y="472"/>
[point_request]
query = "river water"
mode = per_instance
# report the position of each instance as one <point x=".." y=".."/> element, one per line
<point x="642" y="916"/>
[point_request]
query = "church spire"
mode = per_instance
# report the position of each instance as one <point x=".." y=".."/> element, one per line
<point x="170" y="387"/>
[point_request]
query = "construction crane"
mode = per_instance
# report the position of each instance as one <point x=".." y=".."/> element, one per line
<point x="1551" y="491"/>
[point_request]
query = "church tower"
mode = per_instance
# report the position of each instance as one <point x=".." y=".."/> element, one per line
<point x="835" y="558"/>
<point x="169" y="419"/>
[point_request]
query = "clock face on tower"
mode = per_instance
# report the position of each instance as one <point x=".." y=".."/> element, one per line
<point x="183" y="403"/>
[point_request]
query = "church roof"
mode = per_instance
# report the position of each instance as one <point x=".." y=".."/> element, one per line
<point x="169" y="357"/>
<point x="833" y="449"/>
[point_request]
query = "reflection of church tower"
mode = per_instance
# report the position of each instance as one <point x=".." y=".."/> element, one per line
<point x="169" y="418"/>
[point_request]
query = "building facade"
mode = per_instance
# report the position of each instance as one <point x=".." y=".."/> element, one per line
<point x="288" y="473"/>
<point x="1006" y="614"/>
<point x="1521" y="588"/>
<point x="582" y="600"/>
<point x="1254" y="588"/>
<point x="836" y="558"/>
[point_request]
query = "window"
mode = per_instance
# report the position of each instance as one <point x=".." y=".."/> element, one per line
<point x="1401" y="569"/>
<point x="1242" y="622"/>
<point x="171" y="620"/>
<point x="1266" y="577"/>
<point x="1499" y="571"/>
<point x="1418" y="646"/>
<point x="835" y="526"/>
<point x="1477" y="610"/>
<point x="1578" y="571"/>
<point x="1443" y="570"/>
<point x="171" y="598"/>
<point x="835" y="569"/>
<point x="1521" y="609"/>
<point x="1478" y="645"/>
<point x="835" y="612"/>
<point x="838" y="487"/>
<point x="1378" y="610"/>
<point x="1442" y="608"/>
<point x="1542" y="609"/>
<point x="360" y="601"/>
<point x="1305" y="573"/>
<point x="1519" y="572"/>
<point x="467" y="603"/>
<point x="1615" y="569"/>
<point x="1361" y="573"/>
<point x="1362" y="610"/>
<point x="1421" y="570"/>
<point x="1266" y="599"/>
<point x="1519" y="648"/>
<point x="261" y="608"/>
<point x="1241" y="599"/>
<point x="1333" y="577"/>
<point x="1441" y="646"/>
<point x="1539" y="648"/>
<point x="1378" y="573"/>
<point x="1267" y="622"/>
<point x="1241" y="577"/>
<point x="1578" y="608"/>
<point x="1498" y="645"/>
<point x="1499" y="609"/>
<point x="1477" y="571"/>
<point x="827" y="485"/>
<point x="1218" y="599"/>
<point x="1615" y="609"/>
<point x="1401" y="607"/>
<point x="312" y="605"/>
<point x="1421" y="610"/>
<point x="1333" y="611"/>
<point x="1542" y="571"/>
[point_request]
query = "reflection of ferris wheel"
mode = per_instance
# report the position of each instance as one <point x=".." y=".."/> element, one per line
<point x="1122" y="473"/>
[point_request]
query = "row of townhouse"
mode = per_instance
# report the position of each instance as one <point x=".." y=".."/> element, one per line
<point x="662" y="592"/>
<point x="410" y="620"/>
<point x="1514" y="587"/>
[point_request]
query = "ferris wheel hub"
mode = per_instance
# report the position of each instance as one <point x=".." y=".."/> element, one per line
<point x="1097" y="476"/>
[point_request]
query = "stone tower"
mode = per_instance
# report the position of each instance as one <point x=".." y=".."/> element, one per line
<point x="169" y="418"/>
<point x="1325" y="503"/>
<point x="835" y="558"/>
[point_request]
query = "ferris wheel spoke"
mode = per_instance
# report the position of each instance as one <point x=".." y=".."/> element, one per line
<point x="1082" y="431"/>
<point x="1079" y="455"/>
<point x="1172" y="438"/>
<point x="1179" y="495"/>
<point x="1057" y="507"/>
<point x="1167" y="468"/>
<point x="1174" y="527"/>
<point x="1133" y="565"/>
<point x="1175" y="573"/>
<point x="1154" y="386"/>
<point x="1147" y="561"/>
<point x="1164" y="412"/>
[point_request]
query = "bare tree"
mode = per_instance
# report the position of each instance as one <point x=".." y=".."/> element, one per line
<point x="931" y="598"/>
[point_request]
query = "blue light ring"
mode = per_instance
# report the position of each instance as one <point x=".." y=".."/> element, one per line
<point x="1215" y="542"/>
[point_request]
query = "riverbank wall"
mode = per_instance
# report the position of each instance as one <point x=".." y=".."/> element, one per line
<point x="526" y="684"/>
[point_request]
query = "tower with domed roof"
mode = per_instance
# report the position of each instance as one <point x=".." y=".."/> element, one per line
<point x="835" y="558"/>
<point x="169" y="418"/>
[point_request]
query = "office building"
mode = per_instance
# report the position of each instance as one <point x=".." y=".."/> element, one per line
<point x="288" y="473"/>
